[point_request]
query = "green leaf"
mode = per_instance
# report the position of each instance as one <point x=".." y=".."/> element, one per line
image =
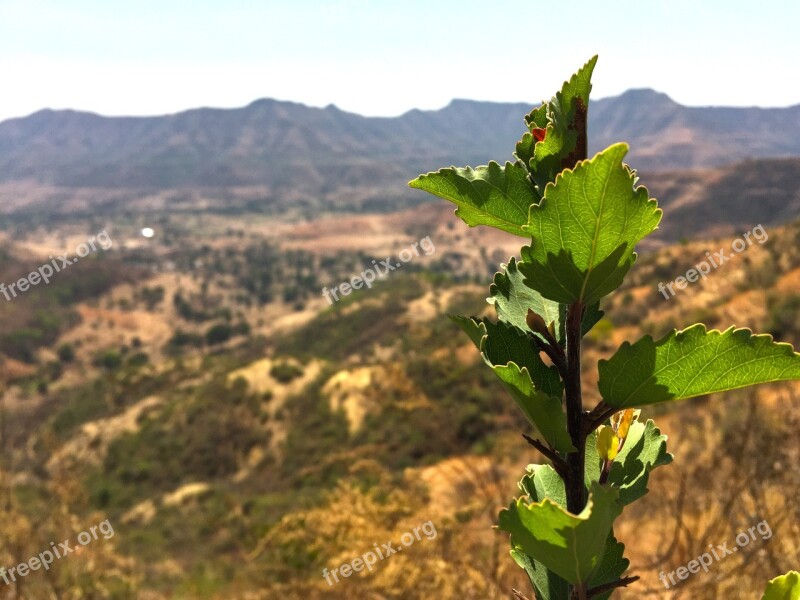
<point x="645" y="449"/>
<point x="591" y="317"/>
<point x="492" y="195"/>
<point x="474" y="328"/>
<point x="514" y="360"/>
<point x="585" y="229"/>
<point x="543" y="411"/>
<point x="594" y="463"/>
<point x="504" y="344"/>
<point x="548" y="585"/>
<point x="569" y="545"/>
<point x="512" y="298"/>
<point x="693" y="362"/>
<point x="565" y="139"/>
<point x="785" y="587"/>
<point x="611" y="567"/>
<point x="542" y="481"/>
<point x="536" y="119"/>
<point x="524" y="151"/>
<point x="562" y="107"/>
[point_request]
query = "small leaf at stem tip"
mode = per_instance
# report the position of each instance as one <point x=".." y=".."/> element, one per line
<point x="607" y="443"/>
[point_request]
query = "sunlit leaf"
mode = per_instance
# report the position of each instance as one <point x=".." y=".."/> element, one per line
<point x="512" y="298"/>
<point x="571" y="546"/>
<point x="565" y="141"/>
<point x="535" y="387"/>
<point x="585" y="229"/>
<point x="693" y="362"/>
<point x="644" y="450"/>
<point x="494" y="195"/>
<point x="785" y="587"/>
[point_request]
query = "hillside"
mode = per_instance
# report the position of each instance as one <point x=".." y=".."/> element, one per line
<point x="281" y="156"/>
<point x="666" y="135"/>
<point x="241" y="465"/>
<point x="701" y="203"/>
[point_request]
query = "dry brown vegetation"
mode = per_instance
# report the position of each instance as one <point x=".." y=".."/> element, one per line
<point x="242" y="469"/>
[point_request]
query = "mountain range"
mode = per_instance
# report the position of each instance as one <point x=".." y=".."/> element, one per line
<point x="289" y="154"/>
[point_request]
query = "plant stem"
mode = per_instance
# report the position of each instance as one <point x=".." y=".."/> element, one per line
<point x="598" y="416"/>
<point x="579" y="592"/>
<point x="605" y="471"/>
<point x="575" y="487"/>
<point x="554" y="352"/>
<point x="574" y="482"/>
<point x="559" y="464"/>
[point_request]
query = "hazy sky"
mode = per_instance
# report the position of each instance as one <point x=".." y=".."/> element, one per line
<point x="383" y="58"/>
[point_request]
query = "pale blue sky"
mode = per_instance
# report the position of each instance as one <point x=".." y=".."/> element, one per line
<point x="383" y="58"/>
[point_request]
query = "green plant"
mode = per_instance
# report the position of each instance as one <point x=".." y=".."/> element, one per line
<point x="583" y="218"/>
<point x="785" y="587"/>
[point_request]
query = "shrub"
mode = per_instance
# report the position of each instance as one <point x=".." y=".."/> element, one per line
<point x="139" y="359"/>
<point x="107" y="359"/>
<point x="66" y="353"/>
<point x="218" y="334"/>
<point x="285" y="372"/>
<point x="183" y="338"/>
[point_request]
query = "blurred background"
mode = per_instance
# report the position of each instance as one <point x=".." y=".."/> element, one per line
<point x="217" y="168"/>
